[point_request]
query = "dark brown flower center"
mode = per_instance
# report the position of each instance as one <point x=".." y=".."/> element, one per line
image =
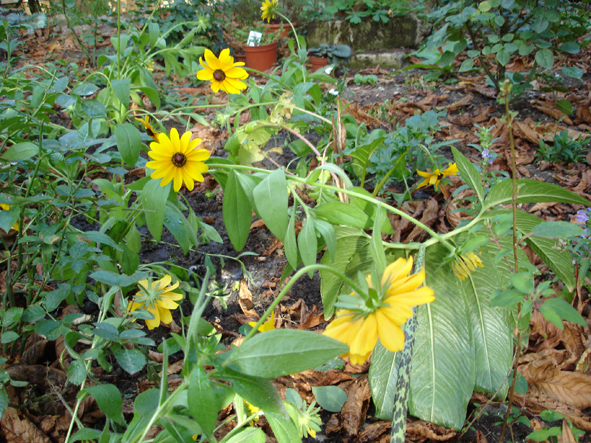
<point x="179" y="159"/>
<point x="219" y="75"/>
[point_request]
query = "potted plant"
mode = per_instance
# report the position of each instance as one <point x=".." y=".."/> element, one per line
<point x="261" y="51"/>
<point x="324" y="54"/>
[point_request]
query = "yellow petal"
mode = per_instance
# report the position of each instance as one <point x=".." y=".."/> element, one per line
<point x="391" y="335"/>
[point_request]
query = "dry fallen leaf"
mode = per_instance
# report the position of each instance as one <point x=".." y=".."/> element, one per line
<point x="245" y="299"/>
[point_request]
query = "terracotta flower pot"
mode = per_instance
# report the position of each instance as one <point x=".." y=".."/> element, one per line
<point x="261" y="58"/>
<point x="318" y="62"/>
<point x="240" y="58"/>
<point x="284" y="27"/>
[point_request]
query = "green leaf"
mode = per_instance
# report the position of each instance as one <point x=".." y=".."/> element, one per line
<point x="329" y="235"/>
<point x="290" y="244"/>
<point x="557" y="229"/>
<point x="108" y="399"/>
<point x="564" y="310"/>
<point x="129" y="143"/>
<point x="21" y="151"/>
<point x="551" y="416"/>
<point x="121" y="89"/>
<point x="362" y="154"/>
<point x="376" y="247"/>
<point x="285" y="351"/>
<point x="94" y="108"/>
<point x="153" y="199"/>
<point x="131" y="360"/>
<point x="354" y="255"/>
<point x="339" y="213"/>
<point x="85" y="434"/>
<point x="565" y="106"/>
<point x="545" y="58"/>
<point x="308" y="243"/>
<point x="3" y="402"/>
<point x="461" y="343"/>
<point x="469" y="173"/>
<point x="467" y="65"/>
<point x="523" y="282"/>
<point x="530" y="191"/>
<point x="329" y="398"/>
<point x="179" y="227"/>
<point x="570" y="47"/>
<point x="237" y="212"/>
<point x="249" y="435"/>
<point x="203" y="402"/>
<point x="572" y="72"/>
<point x="283" y="428"/>
<point x="9" y="337"/>
<point x="85" y="89"/>
<point x="270" y="198"/>
<point x="255" y="390"/>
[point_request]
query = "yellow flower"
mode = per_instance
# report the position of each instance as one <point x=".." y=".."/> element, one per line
<point x="466" y="263"/>
<point x="269" y="7"/>
<point x="435" y="177"/>
<point x="361" y="329"/>
<point x="177" y="158"/>
<point x="6" y="208"/>
<point x="223" y="73"/>
<point x="312" y="432"/>
<point x="252" y="409"/>
<point x="269" y="325"/>
<point x="158" y="299"/>
<point x="149" y="130"/>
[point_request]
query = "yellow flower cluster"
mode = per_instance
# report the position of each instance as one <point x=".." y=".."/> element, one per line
<point x="466" y="263"/>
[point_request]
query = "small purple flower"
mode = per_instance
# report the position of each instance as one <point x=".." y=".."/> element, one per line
<point x="486" y="156"/>
<point x="582" y="216"/>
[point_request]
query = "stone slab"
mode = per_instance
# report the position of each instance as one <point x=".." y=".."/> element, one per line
<point x="399" y="32"/>
<point x="385" y="59"/>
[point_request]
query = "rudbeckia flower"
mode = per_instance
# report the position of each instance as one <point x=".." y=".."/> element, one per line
<point x="223" y="73"/>
<point x="6" y="208"/>
<point x="158" y="299"/>
<point x="465" y="263"/>
<point x="435" y="177"/>
<point x="177" y="158"/>
<point x="269" y="325"/>
<point x="269" y="7"/>
<point x="382" y="313"/>
<point x="149" y="130"/>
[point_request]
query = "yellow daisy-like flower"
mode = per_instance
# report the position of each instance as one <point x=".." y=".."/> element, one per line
<point x="6" y="208"/>
<point x="465" y="264"/>
<point x="399" y="292"/>
<point x="252" y="409"/>
<point x="177" y="158"/>
<point x="435" y="177"/>
<point x="269" y="7"/>
<point x="269" y="325"/>
<point x="158" y="299"/>
<point x="222" y="72"/>
<point x="149" y="129"/>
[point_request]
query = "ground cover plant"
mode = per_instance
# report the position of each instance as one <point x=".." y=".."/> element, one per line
<point x="135" y="195"/>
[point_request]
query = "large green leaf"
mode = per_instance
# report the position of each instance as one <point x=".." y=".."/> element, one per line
<point x="383" y="377"/>
<point x="531" y="191"/>
<point x="462" y="344"/>
<point x="339" y="213"/>
<point x="443" y="367"/>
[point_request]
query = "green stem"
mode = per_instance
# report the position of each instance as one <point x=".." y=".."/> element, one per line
<point x="371" y="200"/>
<point x="288" y="286"/>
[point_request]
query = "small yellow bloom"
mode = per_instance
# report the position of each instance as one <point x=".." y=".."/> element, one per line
<point x="158" y="299"/>
<point x="269" y="325"/>
<point x="465" y="264"/>
<point x="6" y="208"/>
<point x="252" y="409"/>
<point x="149" y="130"/>
<point x="312" y="432"/>
<point x="361" y="331"/>
<point x="177" y="159"/>
<point x="223" y="73"/>
<point x="269" y="7"/>
<point x="435" y="177"/>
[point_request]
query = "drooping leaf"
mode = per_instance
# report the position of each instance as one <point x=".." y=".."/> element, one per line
<point x="270" y="197"/>
<point x="236" y="212"/>
<point x="285" y="351"/>
<point x="108" y="399"/>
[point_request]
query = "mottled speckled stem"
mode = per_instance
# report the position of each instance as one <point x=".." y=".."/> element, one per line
<point x="403" y="384"/>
